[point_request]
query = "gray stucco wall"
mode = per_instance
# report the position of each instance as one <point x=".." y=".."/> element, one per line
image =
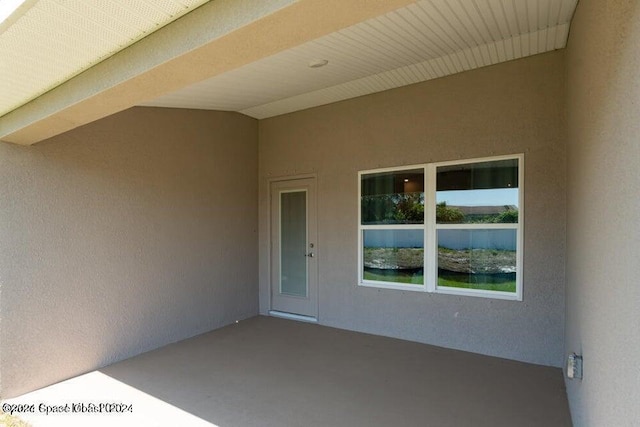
<point x="504" y="109"/>
<point x="124" y="235"/>
<point x="603" y="232"/>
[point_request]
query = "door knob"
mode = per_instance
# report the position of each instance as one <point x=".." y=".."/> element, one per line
<point x="310" y="255"/>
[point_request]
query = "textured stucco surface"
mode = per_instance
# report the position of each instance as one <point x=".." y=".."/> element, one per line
<point x="124" y="235"/>
<point x="603" y="232"/>
<point x="508" y="108"/>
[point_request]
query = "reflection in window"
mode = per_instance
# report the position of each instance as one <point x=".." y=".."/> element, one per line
<point x="453" y="227"/>
<point x="478" y="193"/>
<point x="394" y="256"/>
<point x="478" y="259"/>
<point x="393" y="197"/>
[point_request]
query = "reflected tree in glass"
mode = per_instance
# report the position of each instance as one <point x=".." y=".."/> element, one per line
<point x="478" y="193"/>
<point x="393" y="197"/>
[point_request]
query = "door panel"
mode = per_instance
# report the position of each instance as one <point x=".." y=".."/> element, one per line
<point x="293" y="246"/>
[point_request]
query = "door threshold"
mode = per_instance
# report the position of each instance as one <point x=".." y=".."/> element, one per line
<point x="292" y="316"/>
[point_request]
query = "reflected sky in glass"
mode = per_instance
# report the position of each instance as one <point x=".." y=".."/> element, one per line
<point x="489" y="197"/>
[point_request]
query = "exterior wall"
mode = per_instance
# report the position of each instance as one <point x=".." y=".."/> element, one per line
<point x="122" y="236"/>
<point x="603" y="232"/>
<point x="515" y="107"/>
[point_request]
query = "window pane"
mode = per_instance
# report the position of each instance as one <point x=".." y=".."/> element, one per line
<point x="393" y="197"/>
<point x="293" y="243"/>
<point x="394" y="256"/>
<point x="485" y="192"/>
<point x="477" y="259"/>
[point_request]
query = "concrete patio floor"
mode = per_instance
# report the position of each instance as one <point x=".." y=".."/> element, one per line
<point x="273" y="372"/>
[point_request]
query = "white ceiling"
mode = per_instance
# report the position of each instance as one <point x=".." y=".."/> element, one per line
<point x="54" y="40"/>
<point x="425" y="40"/>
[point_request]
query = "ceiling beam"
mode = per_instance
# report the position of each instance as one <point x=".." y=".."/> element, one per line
<point x="217" y="37"/>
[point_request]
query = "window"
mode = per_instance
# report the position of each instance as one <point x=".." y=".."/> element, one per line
<point x="450" y="227"/>
<point x="392" y="227"/>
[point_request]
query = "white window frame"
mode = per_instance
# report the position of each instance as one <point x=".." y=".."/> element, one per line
<point x="430" y="228"/>
<point x="362" y="228"/>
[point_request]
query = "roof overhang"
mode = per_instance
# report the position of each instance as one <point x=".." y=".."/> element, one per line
<point x="254" y="56"/>
<point x="217" y="37"/>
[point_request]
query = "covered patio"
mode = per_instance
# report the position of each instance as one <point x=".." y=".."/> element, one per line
<point x="446" y="191"/>
<point x="266" y="371"/>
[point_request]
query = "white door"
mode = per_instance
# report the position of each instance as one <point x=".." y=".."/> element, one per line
<point x="294" y="265"/>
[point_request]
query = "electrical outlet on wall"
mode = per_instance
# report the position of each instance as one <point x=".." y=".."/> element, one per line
<point x="574" y="366"/>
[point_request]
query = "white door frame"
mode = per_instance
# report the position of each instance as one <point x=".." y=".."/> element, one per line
<point x="314" y="293"/>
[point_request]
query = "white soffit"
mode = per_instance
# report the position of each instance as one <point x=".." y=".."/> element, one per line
<point x="36" y="55"/>
<point x="423" y="41"/>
